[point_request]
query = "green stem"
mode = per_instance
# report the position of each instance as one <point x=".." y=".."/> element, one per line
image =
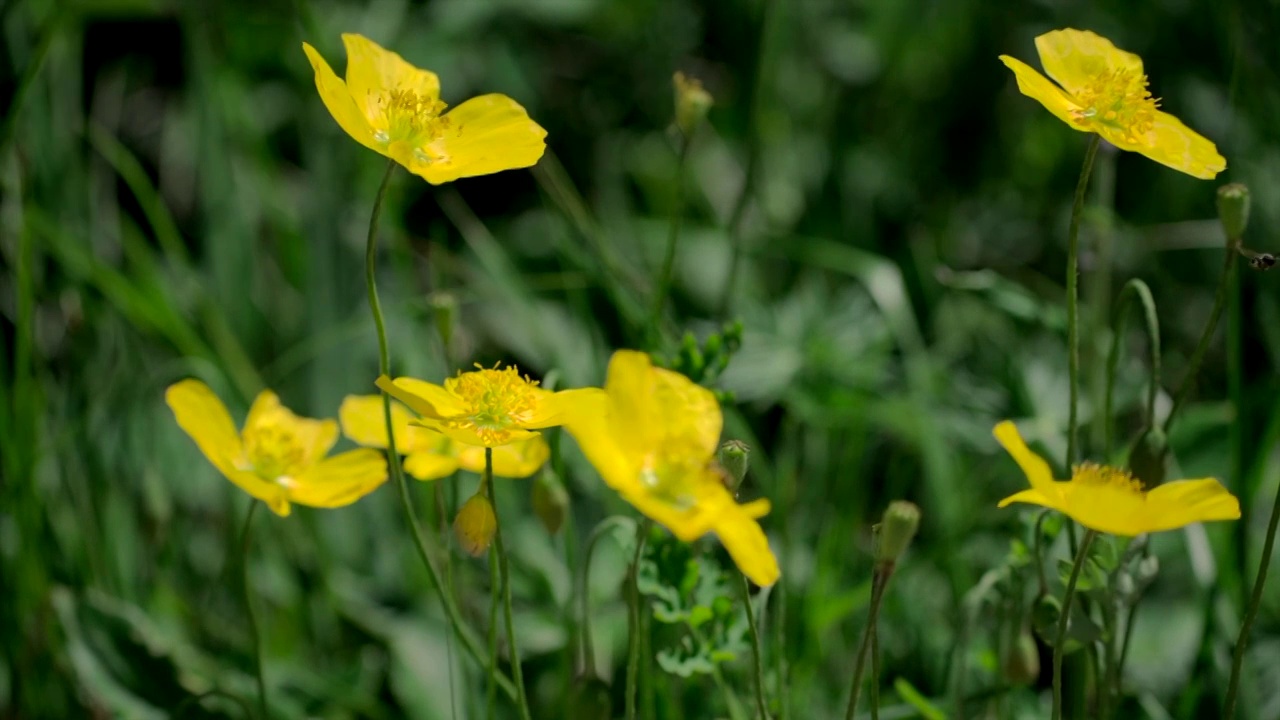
<point x="1073" y="297"/>
<point x="1064" y="619"/>
<point x="633" y="607"/>
<point x="465" y="633"/>
<point x="248" y="607"/>
<point x="877" y="594"/>
<point x="1237" y="657"/>
<point x="584" y="592"/>
<point x="1202" y="347"/>
<point x="504" y="570"/>
<point x="1138" y="289"/>
<point x="669" y="259"/>
<point x="495" y="591"/>
<point x="756" y="650"/>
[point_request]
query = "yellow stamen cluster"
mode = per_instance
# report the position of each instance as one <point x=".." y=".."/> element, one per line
<point x="1119" y="99"/>
<point x="272" y="450"/>
<point x="411" y="118"/>
<point x="1094" y="474"/>
<point x="498" y="401"/>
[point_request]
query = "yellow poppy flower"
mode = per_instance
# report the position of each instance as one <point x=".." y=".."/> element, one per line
<point x="488" y="407"/>
<point x="394" y="108"/>
<point x="652" y="435"/>
<point x="278" y="457"/>
<point x="1102" y="89"/>
<point x="429" y="455"/>
<point x="1110" y="500"/>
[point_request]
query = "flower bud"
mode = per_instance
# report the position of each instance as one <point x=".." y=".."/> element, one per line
<point x="475" y="525"/>
<point x="692" y="103"/>
<point x="734" y="456"/>
<point x="550" y="500"/>
<point x="444" y="310"/>
<point x="1233" y="209"/>
<point x="1020" y="663"/>
<point x="901" y="520"/>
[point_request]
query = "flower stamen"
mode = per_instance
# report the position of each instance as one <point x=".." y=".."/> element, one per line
<point x="1094" y="474"/>
<point x="1119" y="99"/>
<point x="498" y="401"/>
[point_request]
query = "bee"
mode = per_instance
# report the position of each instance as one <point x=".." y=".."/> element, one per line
<point x="1257" y="260"/>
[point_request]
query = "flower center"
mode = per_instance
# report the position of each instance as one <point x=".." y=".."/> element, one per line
<point x="1119" y="99"/>
<point x="1094" y="474"/>
<point x="498" y="401"/>
<point x="273" y="451"/>
<point x="410" y="118"/>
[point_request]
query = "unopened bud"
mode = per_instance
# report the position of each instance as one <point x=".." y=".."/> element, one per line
<point x="444" y="310"/>
<point x="901" y="520"/>
<point x="475" y="525"/>
<point x="1021" y="662"/>
<point x="734" y="456"/>
<point x="1233" y="209"/>
<point x="692" y="103"/>
<point x="550" y="500"/>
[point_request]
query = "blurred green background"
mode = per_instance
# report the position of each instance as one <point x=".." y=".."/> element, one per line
<point x="175" y="201"/>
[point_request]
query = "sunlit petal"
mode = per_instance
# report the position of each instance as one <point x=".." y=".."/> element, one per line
<point x="339" y="480"/>
<point x="1074" y="58"/>
<point x="486" y="134"/>
<point x="1036" y="86"/>
<point x="342" y="106"/>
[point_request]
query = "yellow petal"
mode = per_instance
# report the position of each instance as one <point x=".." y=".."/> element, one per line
<point x="373" y="72"/>
<point x="1032" y="497"/>
<point x="632" y="410"/>
<point x="431" y="464"/>
<point x="486" y="134"/>
<point x="514" y="460"/>
<point x="1184" y="502"/>
<point x="689" y="522"/>
<point x="364" y="423"/>
<point x="264" y="406"/>
<point x="1177" y="146"/>
<point x="342" y="106"/>
<point x="205" y="419"/>
<point x="427" y="399"/>
<point x="1034" y="466"/>
<point x="1076" y="57"/>
<point x="555" y="408"/>
<point x="316" y="436"/>
<point x="339" y="480"/>
<point x="747" y="545"/>
<point x="1106" y="508"/>
<point x="690" y="412"/>
<point x="1036" y="86"/>
<point x="590" y="423"/>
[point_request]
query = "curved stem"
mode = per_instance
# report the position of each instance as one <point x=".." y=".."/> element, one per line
<point x="504" y="571"/>
<point x="1064" y="619"/>
<point x="1138" y="289"/>
<point x="756" y="650"/>
<point x="1202" y="347"/>
<point x="248" y="607"/>
<point x="669" y="259"/>
<point x="633" y="603"/>
<point x="1255" y="601"/>
<point x="1073" y="299"/>
<point x="584" y="591"/>
<point x="465" y="633"/>
<point x="877" y="594"/>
